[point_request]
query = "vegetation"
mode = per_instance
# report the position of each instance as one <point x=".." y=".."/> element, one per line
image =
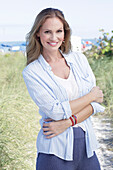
<point x="101" y="60"/>
<point x="104" y="47"/>
<point x="103" y="70"/>
<point x="19" y="118"/>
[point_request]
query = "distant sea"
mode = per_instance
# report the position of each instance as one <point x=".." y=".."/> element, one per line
<point x="6" y="46"/>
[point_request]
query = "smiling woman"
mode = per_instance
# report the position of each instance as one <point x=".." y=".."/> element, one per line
<point x="49" y="25"/>
<point x="51" y="34"/>
<point x="66" y="139"/>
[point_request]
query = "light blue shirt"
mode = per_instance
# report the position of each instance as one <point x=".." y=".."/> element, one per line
<point x="51" y="98"/>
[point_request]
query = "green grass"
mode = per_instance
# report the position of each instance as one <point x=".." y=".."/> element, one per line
<point x="103" y="70"/>
<point x="19" y="118"/>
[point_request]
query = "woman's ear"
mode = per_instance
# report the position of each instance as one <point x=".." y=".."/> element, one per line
<point x="38" y="35"/>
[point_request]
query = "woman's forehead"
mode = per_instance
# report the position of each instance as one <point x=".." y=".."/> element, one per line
<point x="52" y="23"/>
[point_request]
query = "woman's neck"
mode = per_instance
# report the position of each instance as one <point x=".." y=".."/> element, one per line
<point x="52" y="57"/>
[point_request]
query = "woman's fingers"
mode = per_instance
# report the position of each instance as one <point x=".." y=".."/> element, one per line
<point x="45" y="125"/>
<point x="50" y="136"/>
<point x="54" y="128"/>
<point x="48" y="130"/>
<point x="45" y="129"/>
<point x="48" y="120"/>
<point x="48" y="133"/>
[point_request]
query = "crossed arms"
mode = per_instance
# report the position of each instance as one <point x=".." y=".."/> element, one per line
<point x="80" y="107"/>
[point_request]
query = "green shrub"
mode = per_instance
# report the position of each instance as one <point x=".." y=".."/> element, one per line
<point x="104" y="48"/>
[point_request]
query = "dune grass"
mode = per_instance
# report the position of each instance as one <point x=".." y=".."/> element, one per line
<point x="103" y="70"/>
<point x="19" y="118"/>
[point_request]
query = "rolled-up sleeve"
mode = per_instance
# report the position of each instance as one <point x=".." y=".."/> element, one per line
<point x="47" y="102"/>
<point x="97" y="107"/>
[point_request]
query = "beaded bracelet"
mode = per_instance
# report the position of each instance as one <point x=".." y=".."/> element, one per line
<point x="73" y="119"/>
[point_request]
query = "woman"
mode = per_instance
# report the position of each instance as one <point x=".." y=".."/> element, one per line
<point x="62" y="85"/>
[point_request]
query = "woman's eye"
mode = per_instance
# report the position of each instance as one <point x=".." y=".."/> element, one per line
<point x="59" y="31"/>
<point x="47" y="32"/>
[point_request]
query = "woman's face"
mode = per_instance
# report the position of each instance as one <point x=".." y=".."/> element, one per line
<point x="51" y="34"/>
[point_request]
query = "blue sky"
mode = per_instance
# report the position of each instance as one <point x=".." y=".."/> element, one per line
<point x="85" y="17"/>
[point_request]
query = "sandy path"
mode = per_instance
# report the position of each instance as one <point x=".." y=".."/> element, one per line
<point x="104" y="133"/>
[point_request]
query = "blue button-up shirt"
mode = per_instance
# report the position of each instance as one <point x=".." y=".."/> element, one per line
<point x="51" y="98"/>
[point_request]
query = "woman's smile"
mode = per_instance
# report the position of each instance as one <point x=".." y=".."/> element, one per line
<point x="53" y="44"/>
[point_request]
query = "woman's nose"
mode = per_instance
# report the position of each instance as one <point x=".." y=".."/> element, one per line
<point x="53" y="37"/>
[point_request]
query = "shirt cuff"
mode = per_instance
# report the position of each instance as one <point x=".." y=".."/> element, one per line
<point x="97" y="107"/>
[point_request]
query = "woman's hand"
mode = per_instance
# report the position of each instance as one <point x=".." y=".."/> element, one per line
<point x="97" y="94"/>
<point x="55" y="128"/>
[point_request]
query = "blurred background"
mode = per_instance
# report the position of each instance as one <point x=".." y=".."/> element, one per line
<point x="92" y="34"/>
<point x="85" y="17"/>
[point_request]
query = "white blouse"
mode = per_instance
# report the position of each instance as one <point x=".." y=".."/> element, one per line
<point x="70" y="85"/>
<point x="71" y="88"/>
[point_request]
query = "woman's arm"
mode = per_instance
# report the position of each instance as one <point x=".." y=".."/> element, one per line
<point x="55" y="128"/>
<point x="79" y="104"/>
<point x="49" y="104"/>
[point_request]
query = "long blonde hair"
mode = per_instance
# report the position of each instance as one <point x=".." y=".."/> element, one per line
<point x="34" y="47"/>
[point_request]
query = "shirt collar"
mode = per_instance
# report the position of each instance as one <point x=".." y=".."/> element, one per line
<point x="45" y="64"/>
<point x="68" y="58"/>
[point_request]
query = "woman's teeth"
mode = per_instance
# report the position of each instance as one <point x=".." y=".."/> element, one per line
<point x="53" y="44"/>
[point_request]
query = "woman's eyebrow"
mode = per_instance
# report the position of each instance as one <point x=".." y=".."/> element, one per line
<point x="50" y="29"/>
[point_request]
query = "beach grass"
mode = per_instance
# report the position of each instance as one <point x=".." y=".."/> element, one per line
<point x="103" y="70"/>
<point x="19" y="118"/>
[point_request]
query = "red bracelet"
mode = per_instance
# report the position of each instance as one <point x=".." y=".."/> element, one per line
<point x="71" y="118"/>
<point x="75" y="119"/>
